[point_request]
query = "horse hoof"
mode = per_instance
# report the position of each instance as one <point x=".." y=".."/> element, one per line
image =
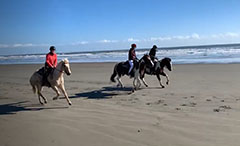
<point x="70" y="103"/>
<point x="55" y="98"/>
<point x="41" y="103"/>
<point x="167" y="83"/>
<point x="163" y="86"/>
<point x="45" y="102"/>
<point x="146" y="85"/>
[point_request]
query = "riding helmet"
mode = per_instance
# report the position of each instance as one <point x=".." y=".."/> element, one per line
<point x="134" y="46"/>
<point x="52" y="48"/>
<point x="154" y="47"/>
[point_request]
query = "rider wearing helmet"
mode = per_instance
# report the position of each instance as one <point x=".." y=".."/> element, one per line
<point x="131" y="57"/>
<point x="50" y="64"/>
<point x="152" y="53"/>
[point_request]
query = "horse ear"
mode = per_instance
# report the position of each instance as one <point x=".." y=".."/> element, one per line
<point x="65" y="60"/>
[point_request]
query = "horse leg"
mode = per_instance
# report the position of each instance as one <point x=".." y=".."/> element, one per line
<point x="142" y="77"/>
<point x="134" y="85"/>
<point x="164" y="74"/>
<point x="57" y="91"/>
<point x="120" y="82"/>
<point x="144" y="82"/>
<point x="138" y="82"/>
<point x="167" y="79"/>
<point x="39" y="88"/>
<point x="159" y="79"/>
<point x="65" y="94"/>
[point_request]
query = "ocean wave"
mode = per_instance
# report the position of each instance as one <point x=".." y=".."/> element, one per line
<point x="220" y="54"/>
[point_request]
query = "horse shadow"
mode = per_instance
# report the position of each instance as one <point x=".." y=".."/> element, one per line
<point x="13" y="108"/>
<point x="104" y="93"/>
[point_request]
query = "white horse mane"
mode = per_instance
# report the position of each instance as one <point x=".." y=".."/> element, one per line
<point x="65" y="60"/>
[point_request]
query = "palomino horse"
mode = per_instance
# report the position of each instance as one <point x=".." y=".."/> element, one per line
<point x="158" y="70"/>
<point x="55" y="79"/>
<point x="122" y="68"/>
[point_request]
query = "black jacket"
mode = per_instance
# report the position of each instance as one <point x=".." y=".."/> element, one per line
<point x="152" y="52"/>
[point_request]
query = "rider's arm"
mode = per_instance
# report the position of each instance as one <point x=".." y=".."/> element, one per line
<point x="55" y="61"/>
<point x="48" y="60"/>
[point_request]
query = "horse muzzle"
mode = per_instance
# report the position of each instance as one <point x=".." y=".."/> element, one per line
<point x="68" y="74"/>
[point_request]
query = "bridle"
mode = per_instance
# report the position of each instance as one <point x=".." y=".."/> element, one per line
<point x="62" y="71"/>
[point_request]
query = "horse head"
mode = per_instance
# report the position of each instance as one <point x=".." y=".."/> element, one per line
<point x="166" y="62"/>
<point x="66" y="66"/>
<point x="147" y="59"/>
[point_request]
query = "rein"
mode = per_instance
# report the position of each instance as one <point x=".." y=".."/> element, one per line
<point x="59" y="70"/>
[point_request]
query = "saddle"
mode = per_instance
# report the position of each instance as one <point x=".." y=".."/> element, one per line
<point x="41" y="71"/>
<point x="151" y="70"/>
<point x="45" y="73"/>
<point x="126" y="65"/>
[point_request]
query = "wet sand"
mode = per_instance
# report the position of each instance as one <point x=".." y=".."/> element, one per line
<point x="200" y="106"/>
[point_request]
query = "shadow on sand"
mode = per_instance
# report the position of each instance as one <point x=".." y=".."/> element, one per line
<point x="104" y="93"/>
<point x="13" y="108"/>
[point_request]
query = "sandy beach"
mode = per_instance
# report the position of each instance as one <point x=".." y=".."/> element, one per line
<point x="200" y="107"/>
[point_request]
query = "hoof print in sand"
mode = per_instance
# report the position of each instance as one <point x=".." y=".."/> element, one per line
<point x="222" y="108"/>
<point x="177" y="108"/>
<point x="191" y="104"/>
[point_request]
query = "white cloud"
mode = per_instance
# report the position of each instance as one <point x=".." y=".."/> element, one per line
<point x="231" y="34"/>
<point x="133" y="40"/>
<point x="23" y="45"/>
<point x="160" y="38"/>
<point x="107" y="41"/>
<point x="19" y="45"/>
<point x="79" y="43"/>
<point x="226" y="35"/>
<point x="195" y="36"/>
<point x="179" y="37"/>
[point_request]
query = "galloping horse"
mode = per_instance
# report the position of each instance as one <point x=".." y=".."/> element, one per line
<point x="158" y="70"/>
<point x="55" y="79"/>
<point x="122" y="68"/>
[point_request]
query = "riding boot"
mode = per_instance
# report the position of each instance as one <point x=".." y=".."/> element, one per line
<point x="45" y="81"/>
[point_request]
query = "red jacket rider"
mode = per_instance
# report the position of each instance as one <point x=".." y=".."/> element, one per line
<point x="51" y="58"/>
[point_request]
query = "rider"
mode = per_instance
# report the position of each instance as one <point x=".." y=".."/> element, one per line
<point x="152" y="54"/>
<point x="50" y="64"/>
<point x="131" y="57"/>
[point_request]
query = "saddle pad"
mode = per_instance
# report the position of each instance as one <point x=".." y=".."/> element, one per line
<point x="41" y="71"/>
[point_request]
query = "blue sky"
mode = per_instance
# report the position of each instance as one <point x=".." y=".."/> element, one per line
<point x="31" y="26"/>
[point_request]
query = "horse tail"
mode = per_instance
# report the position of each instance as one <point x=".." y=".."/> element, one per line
<point x="114" y="74"/>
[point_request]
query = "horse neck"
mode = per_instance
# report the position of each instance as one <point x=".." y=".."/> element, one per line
<point x="162" y="64"/>
<point x="142" y="59"/>
<point x="59" y="69"/>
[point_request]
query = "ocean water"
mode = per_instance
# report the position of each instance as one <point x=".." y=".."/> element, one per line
<point x="179" y="55"/>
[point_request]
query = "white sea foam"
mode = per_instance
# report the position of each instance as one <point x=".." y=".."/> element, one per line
<point x="220" y="54"/>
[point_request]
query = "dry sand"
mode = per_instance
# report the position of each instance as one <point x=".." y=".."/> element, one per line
<point x="200" y="107"/>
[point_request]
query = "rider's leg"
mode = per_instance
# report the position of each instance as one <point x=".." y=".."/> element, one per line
<point x="131" y="66"/>
<point x="45" y="76"/>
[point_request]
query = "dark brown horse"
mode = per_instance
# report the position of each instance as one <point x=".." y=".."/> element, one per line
<point x="121" y="69"/>
<point x="157" y="70"/>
